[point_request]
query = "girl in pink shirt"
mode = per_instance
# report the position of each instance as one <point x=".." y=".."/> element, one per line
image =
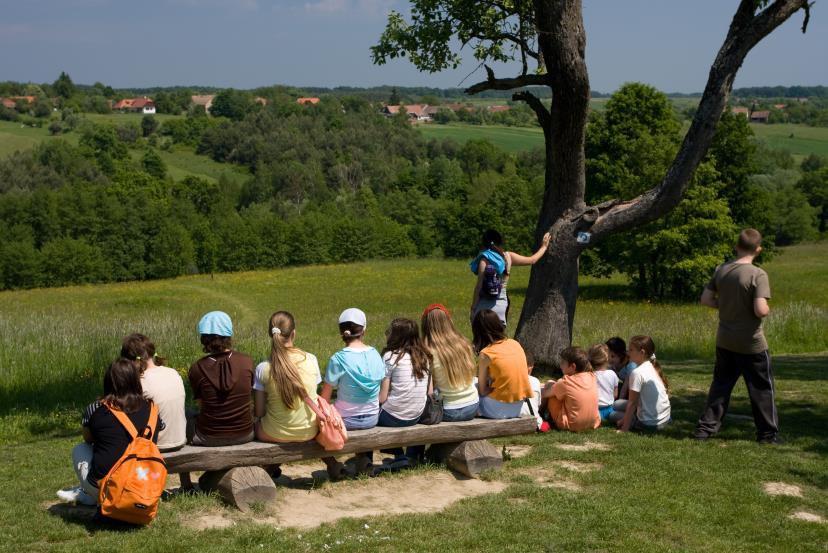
<point x="573" y="400"/>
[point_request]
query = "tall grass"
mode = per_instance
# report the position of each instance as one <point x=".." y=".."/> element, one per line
<point x="56" y="343"/>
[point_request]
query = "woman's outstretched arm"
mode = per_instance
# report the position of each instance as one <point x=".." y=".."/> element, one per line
<point x="518" y="259"/>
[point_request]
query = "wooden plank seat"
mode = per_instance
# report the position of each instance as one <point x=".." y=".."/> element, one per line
<point x="235" y="470"/>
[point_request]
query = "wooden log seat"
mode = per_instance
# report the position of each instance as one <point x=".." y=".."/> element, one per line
<point x="465" y="451"/>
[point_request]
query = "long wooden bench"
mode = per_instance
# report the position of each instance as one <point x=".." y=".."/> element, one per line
<point x="234" y="471"/>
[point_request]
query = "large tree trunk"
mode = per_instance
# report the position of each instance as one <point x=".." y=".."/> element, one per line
<point x="547" y="318"/>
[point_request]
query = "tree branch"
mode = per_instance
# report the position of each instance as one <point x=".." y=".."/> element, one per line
<point x="537" y="106"/>
<point x="491" y="83"/>
<point x="746" y="30"/>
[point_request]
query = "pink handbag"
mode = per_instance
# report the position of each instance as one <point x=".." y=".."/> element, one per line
<point x="332" y="434"/>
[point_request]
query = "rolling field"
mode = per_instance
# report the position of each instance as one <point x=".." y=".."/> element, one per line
<point x="511" y="139"/>
<point x="799" y="140"/>
<point x="599" y="491"/>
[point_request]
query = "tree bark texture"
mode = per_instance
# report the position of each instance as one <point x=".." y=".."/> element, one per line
<point x="546" y="321"/>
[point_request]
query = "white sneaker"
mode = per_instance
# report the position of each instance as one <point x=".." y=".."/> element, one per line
<point x="77" y="495"/>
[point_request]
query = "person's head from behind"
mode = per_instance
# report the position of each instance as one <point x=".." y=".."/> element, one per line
<point x="403" y="337"/>
<point x="122" y="385"/>
<point x="530" y="360"/>
<point x="749" y="243"/>
<point x="139" y="348"/>
<point x="450" y="348"/>
<point x="491" y="239"/>
<point x="284" y="372"/>
<point x="642" y="349"/>
<point x="216" y="331"/>
<point x="599" y="357"/>
<point x="487" y="329"/>
<point x="617" y="352"/>
<point x="574" y="360"/>
<point x="352" y="323"/>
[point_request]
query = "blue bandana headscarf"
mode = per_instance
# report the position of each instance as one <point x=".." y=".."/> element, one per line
<point x="216" y="322"/>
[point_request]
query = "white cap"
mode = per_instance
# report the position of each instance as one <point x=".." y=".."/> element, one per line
<point x="353" y="315"/>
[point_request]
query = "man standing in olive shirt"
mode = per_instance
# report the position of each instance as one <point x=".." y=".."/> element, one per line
<point x="740" y="291"/>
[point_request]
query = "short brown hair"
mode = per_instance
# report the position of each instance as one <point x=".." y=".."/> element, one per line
<point x="213" y="343"/>
<point x="750" y="240"/>
<point x="574" y="354"/>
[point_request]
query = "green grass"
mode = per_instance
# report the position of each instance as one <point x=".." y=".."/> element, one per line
<point x="799" y="140"/>
<point x="649" y="493"/>
<point x="17" y="138"/>
<point x="511" y="139"/>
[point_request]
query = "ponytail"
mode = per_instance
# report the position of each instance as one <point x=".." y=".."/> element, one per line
<point x="283" y="371"/>
<point x="645" y="343"/>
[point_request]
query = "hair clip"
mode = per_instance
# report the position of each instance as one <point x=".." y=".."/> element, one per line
<point x="137" y="357"/>
<point x="346" y="333"/>
<point x="276" y="331"/>
<point x="653" y="357"/>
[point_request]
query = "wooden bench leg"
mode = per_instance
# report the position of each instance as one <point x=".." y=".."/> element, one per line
<point x="242" y="487"/>
<point x="468" y="458"/>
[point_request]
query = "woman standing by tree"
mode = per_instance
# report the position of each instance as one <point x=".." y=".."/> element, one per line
<point x="493" y="266"/>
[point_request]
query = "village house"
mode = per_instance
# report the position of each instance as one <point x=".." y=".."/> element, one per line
<point x="204" y="100"/>
<point x="739" y="110"/>
<point x="416" y="112"/>
<point x="8" y="103"/>
<point x="307" y="101"/>
<point x="759" y="116"/>
<point x="135" y="105"/>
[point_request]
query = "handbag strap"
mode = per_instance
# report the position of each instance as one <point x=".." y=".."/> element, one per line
<point x="315" y="408"/>
<point x="529" y="405"/>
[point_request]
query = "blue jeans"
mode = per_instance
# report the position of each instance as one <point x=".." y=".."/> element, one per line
<point x="605" y="412"/>
<point x="360" y="422"/>
<point x="494" y="409"/>
<point x="460" y="414"/>
<point x="387" y="419"/>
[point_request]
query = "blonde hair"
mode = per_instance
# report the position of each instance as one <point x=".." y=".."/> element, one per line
<point x="599" y="356"/>
<point x="449" y="347"/>
<point x="283" y="370"/>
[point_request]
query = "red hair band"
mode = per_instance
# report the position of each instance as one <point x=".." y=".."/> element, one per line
<point x="434" y="306"/>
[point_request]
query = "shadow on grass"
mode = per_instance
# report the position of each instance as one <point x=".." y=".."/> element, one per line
<point x="89" y="518"/>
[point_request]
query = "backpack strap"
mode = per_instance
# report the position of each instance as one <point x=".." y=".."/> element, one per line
<point x="127" y="424"/>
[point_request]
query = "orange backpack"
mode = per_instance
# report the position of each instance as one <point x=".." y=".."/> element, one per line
<point x="132" y="488"/>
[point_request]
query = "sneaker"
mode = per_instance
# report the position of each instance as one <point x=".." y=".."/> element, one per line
<point x="773" y="440"/>
<point x="700" y="435"/>
<point x="77" y="495"/>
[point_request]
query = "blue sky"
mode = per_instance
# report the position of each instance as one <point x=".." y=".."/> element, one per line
<point x="249" y="43"/>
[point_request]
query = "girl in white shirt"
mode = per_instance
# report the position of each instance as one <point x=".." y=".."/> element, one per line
<point x="648" y="406"/>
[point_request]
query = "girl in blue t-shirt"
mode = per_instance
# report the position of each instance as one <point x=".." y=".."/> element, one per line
<point x="356" y="372"/>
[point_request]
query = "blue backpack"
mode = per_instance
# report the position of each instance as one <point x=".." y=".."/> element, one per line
<point x="492" y="283"/>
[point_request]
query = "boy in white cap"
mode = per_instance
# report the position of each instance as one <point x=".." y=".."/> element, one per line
<point x="356" y="372"/>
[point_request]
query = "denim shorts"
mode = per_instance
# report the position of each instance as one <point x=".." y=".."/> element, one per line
<point x="493" y="409"/>
<point x="605" y="412"/>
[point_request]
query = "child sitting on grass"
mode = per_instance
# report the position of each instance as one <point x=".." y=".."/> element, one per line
<point x="607" y="380"/>
<point x="619" y="361"/>
<point x="573" y="400"/>
<point x="356" y="372"/>
<point x="648" y="407"/>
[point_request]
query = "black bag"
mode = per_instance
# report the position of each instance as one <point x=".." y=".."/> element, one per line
<point x="433" y="411"/>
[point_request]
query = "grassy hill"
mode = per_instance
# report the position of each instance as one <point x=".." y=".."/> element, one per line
<point x="596" y="491"/>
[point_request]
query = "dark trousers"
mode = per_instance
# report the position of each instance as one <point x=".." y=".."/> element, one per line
<point x="755" y="368"/>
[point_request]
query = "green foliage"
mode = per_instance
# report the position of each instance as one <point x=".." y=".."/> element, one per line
<point x="153" y="164"/>
<point x="149" y="124"/>
<point x="629" y="147"/>
<point x="233" y="104"/>
<point x="63" y="86"/>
